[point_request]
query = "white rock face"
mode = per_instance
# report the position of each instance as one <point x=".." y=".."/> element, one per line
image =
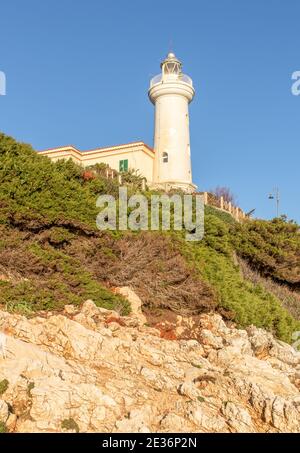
<point x="106" y="373"/>
<point x="135" y="302"/>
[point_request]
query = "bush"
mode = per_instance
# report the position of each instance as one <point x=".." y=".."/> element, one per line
<point x="3" y="386"/>
<point x="271" y="247"/>
<point x="47" y="278"/>
<point x="249" y="303"/>
<point x="3" y="428"/>
<point x="70" y="424"/>
<point x="38" y="192"/>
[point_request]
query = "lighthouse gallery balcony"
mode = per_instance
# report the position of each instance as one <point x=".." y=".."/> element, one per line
<point x="179" y="78"/>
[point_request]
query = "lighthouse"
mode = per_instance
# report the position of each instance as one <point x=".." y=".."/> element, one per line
<point x="171" y="92"/>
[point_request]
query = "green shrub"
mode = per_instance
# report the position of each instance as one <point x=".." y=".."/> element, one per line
<point x="249" y="303"/>
<point x="36" y="192"/>
<point x="53" y="279"/>
<point x="271" y="247"/>
<point x="29" y="388"/>
<point x="224" y="216"/>
<point x="3" y="428"/>
<point x="3" y="386"/>
<point x="70" y="424"/>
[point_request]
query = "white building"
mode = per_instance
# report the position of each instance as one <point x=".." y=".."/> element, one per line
<point x="137" y="156"/>
<point x="168" y="165"/>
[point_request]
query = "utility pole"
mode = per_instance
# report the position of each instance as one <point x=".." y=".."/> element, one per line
<point x="275" y="195"/>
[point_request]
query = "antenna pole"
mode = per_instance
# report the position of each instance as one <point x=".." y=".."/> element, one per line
<point x="275" y="195"/>
<point x="277" y="200"/>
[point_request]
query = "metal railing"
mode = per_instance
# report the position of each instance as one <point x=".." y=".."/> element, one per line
<point x="180" y="78"/>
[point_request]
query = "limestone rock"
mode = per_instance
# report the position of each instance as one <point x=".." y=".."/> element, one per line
<point x="207" y="420"/>
<point x="189" y="390"/>
<point x="135" y="302"/>
<point x="4" y="411"/>
<point x="237" y="417"/>
<point x="138" y="421"/>
<point x="208" y="338"/>
<point x="70" y="309"/>
<point x="101" y="372"/>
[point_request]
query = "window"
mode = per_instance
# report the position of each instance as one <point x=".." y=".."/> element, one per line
<point x="172" y="67"/>
<point x="165" y="157"/>
<point x="123" y="165"/>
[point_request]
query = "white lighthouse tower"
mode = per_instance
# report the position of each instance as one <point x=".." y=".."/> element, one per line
<point x="171" y="92"/>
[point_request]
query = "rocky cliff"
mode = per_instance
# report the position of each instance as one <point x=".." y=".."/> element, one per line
<point x="91" y="370"/>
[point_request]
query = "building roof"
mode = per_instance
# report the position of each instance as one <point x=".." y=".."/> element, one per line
<point x="103" y="149"/>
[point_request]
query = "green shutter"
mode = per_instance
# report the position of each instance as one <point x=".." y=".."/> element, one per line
<point x="123" y="165"/>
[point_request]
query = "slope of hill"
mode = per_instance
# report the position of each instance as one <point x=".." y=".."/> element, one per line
<point x="51" y="253"/>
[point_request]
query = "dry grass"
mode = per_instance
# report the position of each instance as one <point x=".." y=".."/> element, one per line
<point x="152" y="265"/>
<point x="49" y="268"/>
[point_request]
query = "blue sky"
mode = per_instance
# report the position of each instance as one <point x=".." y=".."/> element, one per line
<point x="78" y="73"/>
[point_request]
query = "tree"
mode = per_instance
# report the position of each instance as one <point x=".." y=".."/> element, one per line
<point x="226" y="193"/>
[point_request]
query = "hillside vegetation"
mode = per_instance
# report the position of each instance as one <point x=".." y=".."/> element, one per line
<point x="52" y="254"/>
